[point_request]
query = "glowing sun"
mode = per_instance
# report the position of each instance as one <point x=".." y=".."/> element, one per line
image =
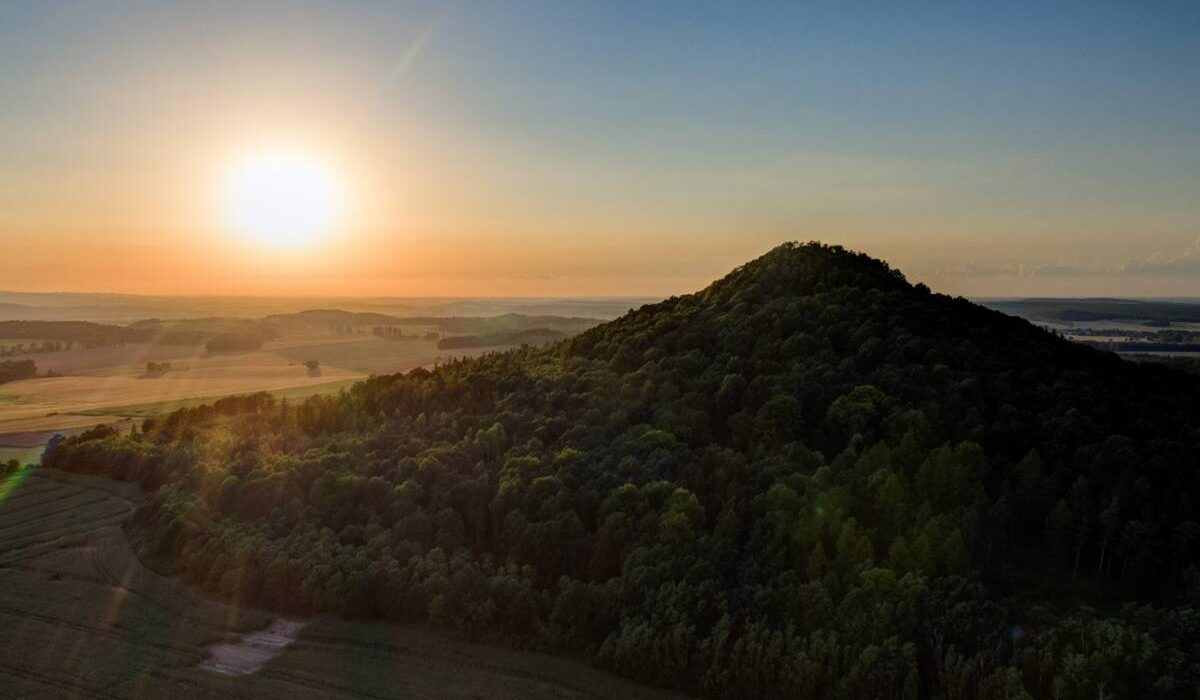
<point x="281" y="199"/>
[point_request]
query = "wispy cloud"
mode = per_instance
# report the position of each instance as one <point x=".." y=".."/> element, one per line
<point x="1186" y="262"/>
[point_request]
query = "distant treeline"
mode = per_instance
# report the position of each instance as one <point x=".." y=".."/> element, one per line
<point x="237" y="341"/>
<point x="1150" y="313"/>
<point x="533" y="336"/>
<point x="12" y="371"/>
<point x="84" y="333"/>
<point x="345" y="321"/>
<point x="216" y="333"/>
<point x="1157" y="336"/>
<point x="1141" y="346"/>
<point x="397" y="333"/>
<point x="503" y="323"/>
<point x="34" y="348"/>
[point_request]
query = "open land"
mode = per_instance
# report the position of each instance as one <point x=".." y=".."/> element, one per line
<point x="88" y="386"/>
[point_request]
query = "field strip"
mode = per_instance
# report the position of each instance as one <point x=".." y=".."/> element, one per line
<point x="70" y="512"/>
<point x="6" y="512"/>
<point x="445" y="655"/>
<point x="72" y="689"/>
<point x="23" y="500"/>
<point x="325" y="686"/>
<point x="109" y="632"/>
<point x="58" y="574"/>
<point x="32" y="487"/>
<point x="303" y="686"/>
<point x="65" y="518"/>
<point x="7" y="548"/>
<point x="125" y="491"/>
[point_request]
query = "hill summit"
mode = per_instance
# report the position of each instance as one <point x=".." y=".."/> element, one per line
<point x="810" y="479"/>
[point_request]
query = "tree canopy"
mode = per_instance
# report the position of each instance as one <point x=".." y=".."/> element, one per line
<point x="810" y="479"/>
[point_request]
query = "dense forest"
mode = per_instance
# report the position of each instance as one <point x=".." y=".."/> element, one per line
<point x="811" y="479"/>
<point x="12" y="370"/>
<point x="532" y="336"/>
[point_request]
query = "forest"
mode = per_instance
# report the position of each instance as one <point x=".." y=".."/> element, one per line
<point x="12" y="370"/>
<point x="531" y="336"/>
<point x="810" y="479"/>
<point x="84" y="333"/>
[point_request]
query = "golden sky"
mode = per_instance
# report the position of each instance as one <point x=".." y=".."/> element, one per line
<point x="583" y="149"/>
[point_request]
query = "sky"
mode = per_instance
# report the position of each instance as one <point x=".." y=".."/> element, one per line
<point x="602" y="148"/>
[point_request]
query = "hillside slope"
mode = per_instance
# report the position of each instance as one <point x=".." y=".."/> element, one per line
<point x="810" y="479"/>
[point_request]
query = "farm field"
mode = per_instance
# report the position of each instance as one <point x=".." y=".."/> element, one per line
<point x="82" y="618"/>
<point x="103" y="383"/>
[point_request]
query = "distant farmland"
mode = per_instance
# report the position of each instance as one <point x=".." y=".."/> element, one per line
<point x="100" y="383"/>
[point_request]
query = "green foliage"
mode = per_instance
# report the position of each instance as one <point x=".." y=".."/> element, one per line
<point x="12" y="370"/>
<point x="808" y="480"/>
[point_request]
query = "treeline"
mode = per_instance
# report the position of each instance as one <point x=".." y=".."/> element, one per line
<point x="237" y="341"/>
<point x="533" y="336"/>
<point x="1183" y="363"/>
<point x="83" y="333"/>
<point x="397" y="333"/>
<point x="217" y="334"/>
<point x="55" y="336"/>
<point x="1141" y="346"/>
<point x="811" y="479"/>
<point x="11" y="371"/>
<point x="34" y="348"/>
<point x="351" y="322"/>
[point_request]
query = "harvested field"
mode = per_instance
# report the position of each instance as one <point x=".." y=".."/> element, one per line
<point x="80" y="617"/>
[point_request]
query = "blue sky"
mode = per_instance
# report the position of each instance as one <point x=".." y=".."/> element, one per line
<point x="589" y="147"/>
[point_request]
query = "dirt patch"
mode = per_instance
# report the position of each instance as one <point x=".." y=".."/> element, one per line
<point x="253" y="651"/>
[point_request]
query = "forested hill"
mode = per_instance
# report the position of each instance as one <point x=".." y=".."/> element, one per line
<point x="811" y="479"/>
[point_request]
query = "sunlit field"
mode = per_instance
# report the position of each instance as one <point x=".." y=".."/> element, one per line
<point x="98" y="384"/>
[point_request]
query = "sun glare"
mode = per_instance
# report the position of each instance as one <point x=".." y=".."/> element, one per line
<point x="281" y="199"/>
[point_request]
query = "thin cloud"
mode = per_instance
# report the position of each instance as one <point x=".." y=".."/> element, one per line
<point x="1186" y="262"/>
<point x="401" y="66"/>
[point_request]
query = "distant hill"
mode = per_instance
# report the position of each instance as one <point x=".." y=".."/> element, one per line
<point x="501" y="323"/>
<point x="1096" y="309"/>
<point x="811" y="479"/>
<point x="126" y="308"/>
<point x="334" y="317"/>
